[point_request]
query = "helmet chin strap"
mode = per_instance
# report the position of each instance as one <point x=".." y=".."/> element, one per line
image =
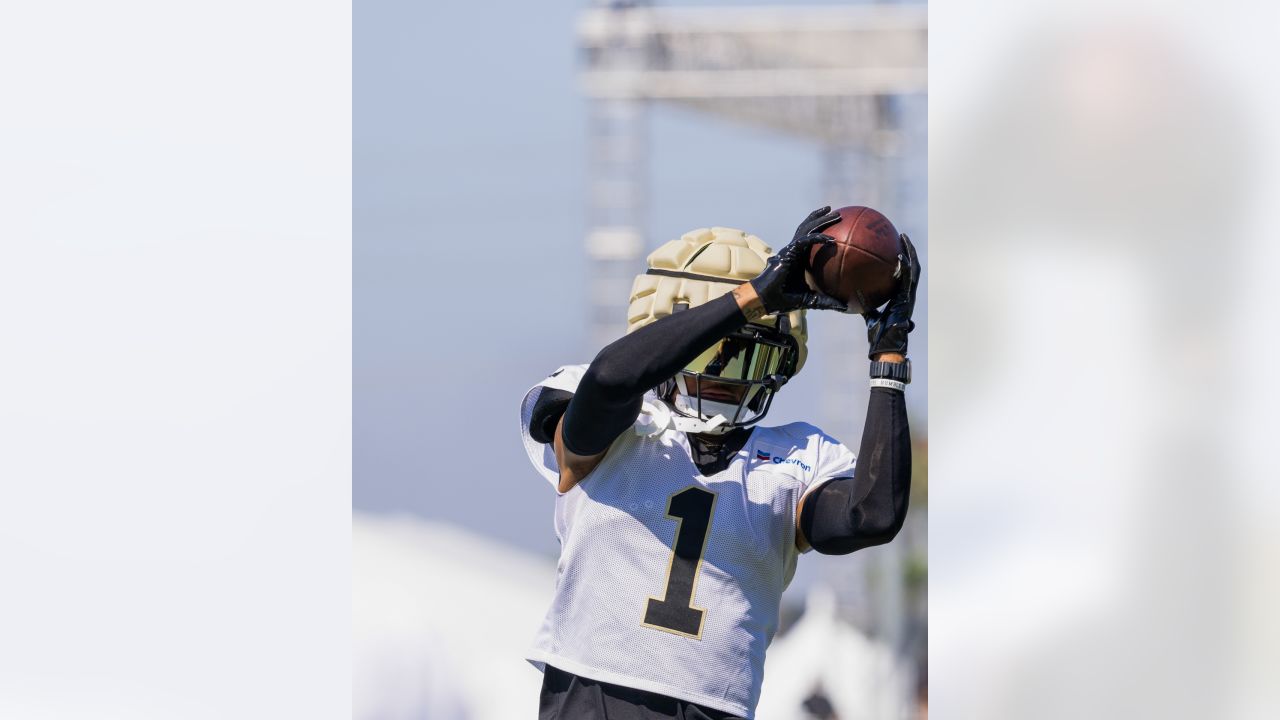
<point x="657" y="416"/>
<point x="714" y="418"/>
<point x="717" y="425"/>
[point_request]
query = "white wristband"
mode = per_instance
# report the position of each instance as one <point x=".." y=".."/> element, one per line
<point x="887" y="383"/>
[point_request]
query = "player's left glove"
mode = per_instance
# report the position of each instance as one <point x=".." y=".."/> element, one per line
<point x="781" y="284"/>
<point x="887" y="330"/>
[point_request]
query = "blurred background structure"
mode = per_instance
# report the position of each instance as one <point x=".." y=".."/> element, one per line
<point x="829" y="75"/>
<point x="737" y="114"/>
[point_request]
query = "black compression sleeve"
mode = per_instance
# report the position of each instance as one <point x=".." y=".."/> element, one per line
<point x="849" y="514"/>
<point x="608" y="397"/>
<point x="546" y="413"/>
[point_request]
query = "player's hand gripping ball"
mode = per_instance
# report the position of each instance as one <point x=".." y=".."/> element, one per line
<point x="887" y="329"/>
<point x="862" y="267"/>
<point x="781" y="285"/>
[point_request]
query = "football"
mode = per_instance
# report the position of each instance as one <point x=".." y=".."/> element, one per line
<point x="861" y="268"/>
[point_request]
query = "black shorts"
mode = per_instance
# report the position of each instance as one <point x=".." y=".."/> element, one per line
<point x="566" y="696"/>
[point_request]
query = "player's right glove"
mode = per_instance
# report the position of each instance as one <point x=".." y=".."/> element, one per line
<point x="887" y="330"/>
<point x="781" y="284"/>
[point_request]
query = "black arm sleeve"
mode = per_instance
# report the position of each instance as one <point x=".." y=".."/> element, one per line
<point x="609" y="394"/>
<point x="849" y="514"/>
<point x="546" y="413"/>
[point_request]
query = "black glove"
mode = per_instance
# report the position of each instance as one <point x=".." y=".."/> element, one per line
<point x="781" y="284"/>
<point x="887" y="331"/>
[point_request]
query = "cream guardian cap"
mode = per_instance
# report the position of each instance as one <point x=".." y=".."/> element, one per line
<point x="700" y="266"/>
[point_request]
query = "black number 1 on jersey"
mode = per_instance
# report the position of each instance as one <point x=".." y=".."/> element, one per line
<point x="691" y="508"/>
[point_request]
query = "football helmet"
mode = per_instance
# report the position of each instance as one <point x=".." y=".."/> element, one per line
<point x="732" y="383"/>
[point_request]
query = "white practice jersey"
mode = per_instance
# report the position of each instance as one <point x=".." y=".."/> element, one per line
<point x="670" y="581"/>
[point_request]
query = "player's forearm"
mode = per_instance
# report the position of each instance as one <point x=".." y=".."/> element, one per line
<point x="886" y="447"/>
<point x="849" y="514"/>
<point x="609" y="395"/>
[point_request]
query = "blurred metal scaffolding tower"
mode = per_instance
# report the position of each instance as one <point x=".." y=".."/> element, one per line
<point x="830" y="74"/>
<point x="850" y="78"/>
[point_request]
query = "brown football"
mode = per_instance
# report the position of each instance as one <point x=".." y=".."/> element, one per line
<point x="861" y="267"/>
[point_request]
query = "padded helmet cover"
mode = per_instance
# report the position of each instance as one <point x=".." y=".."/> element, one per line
<point x="700" y="266"/>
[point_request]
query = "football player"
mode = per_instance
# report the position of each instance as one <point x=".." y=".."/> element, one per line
<point x="680" y="517"/>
